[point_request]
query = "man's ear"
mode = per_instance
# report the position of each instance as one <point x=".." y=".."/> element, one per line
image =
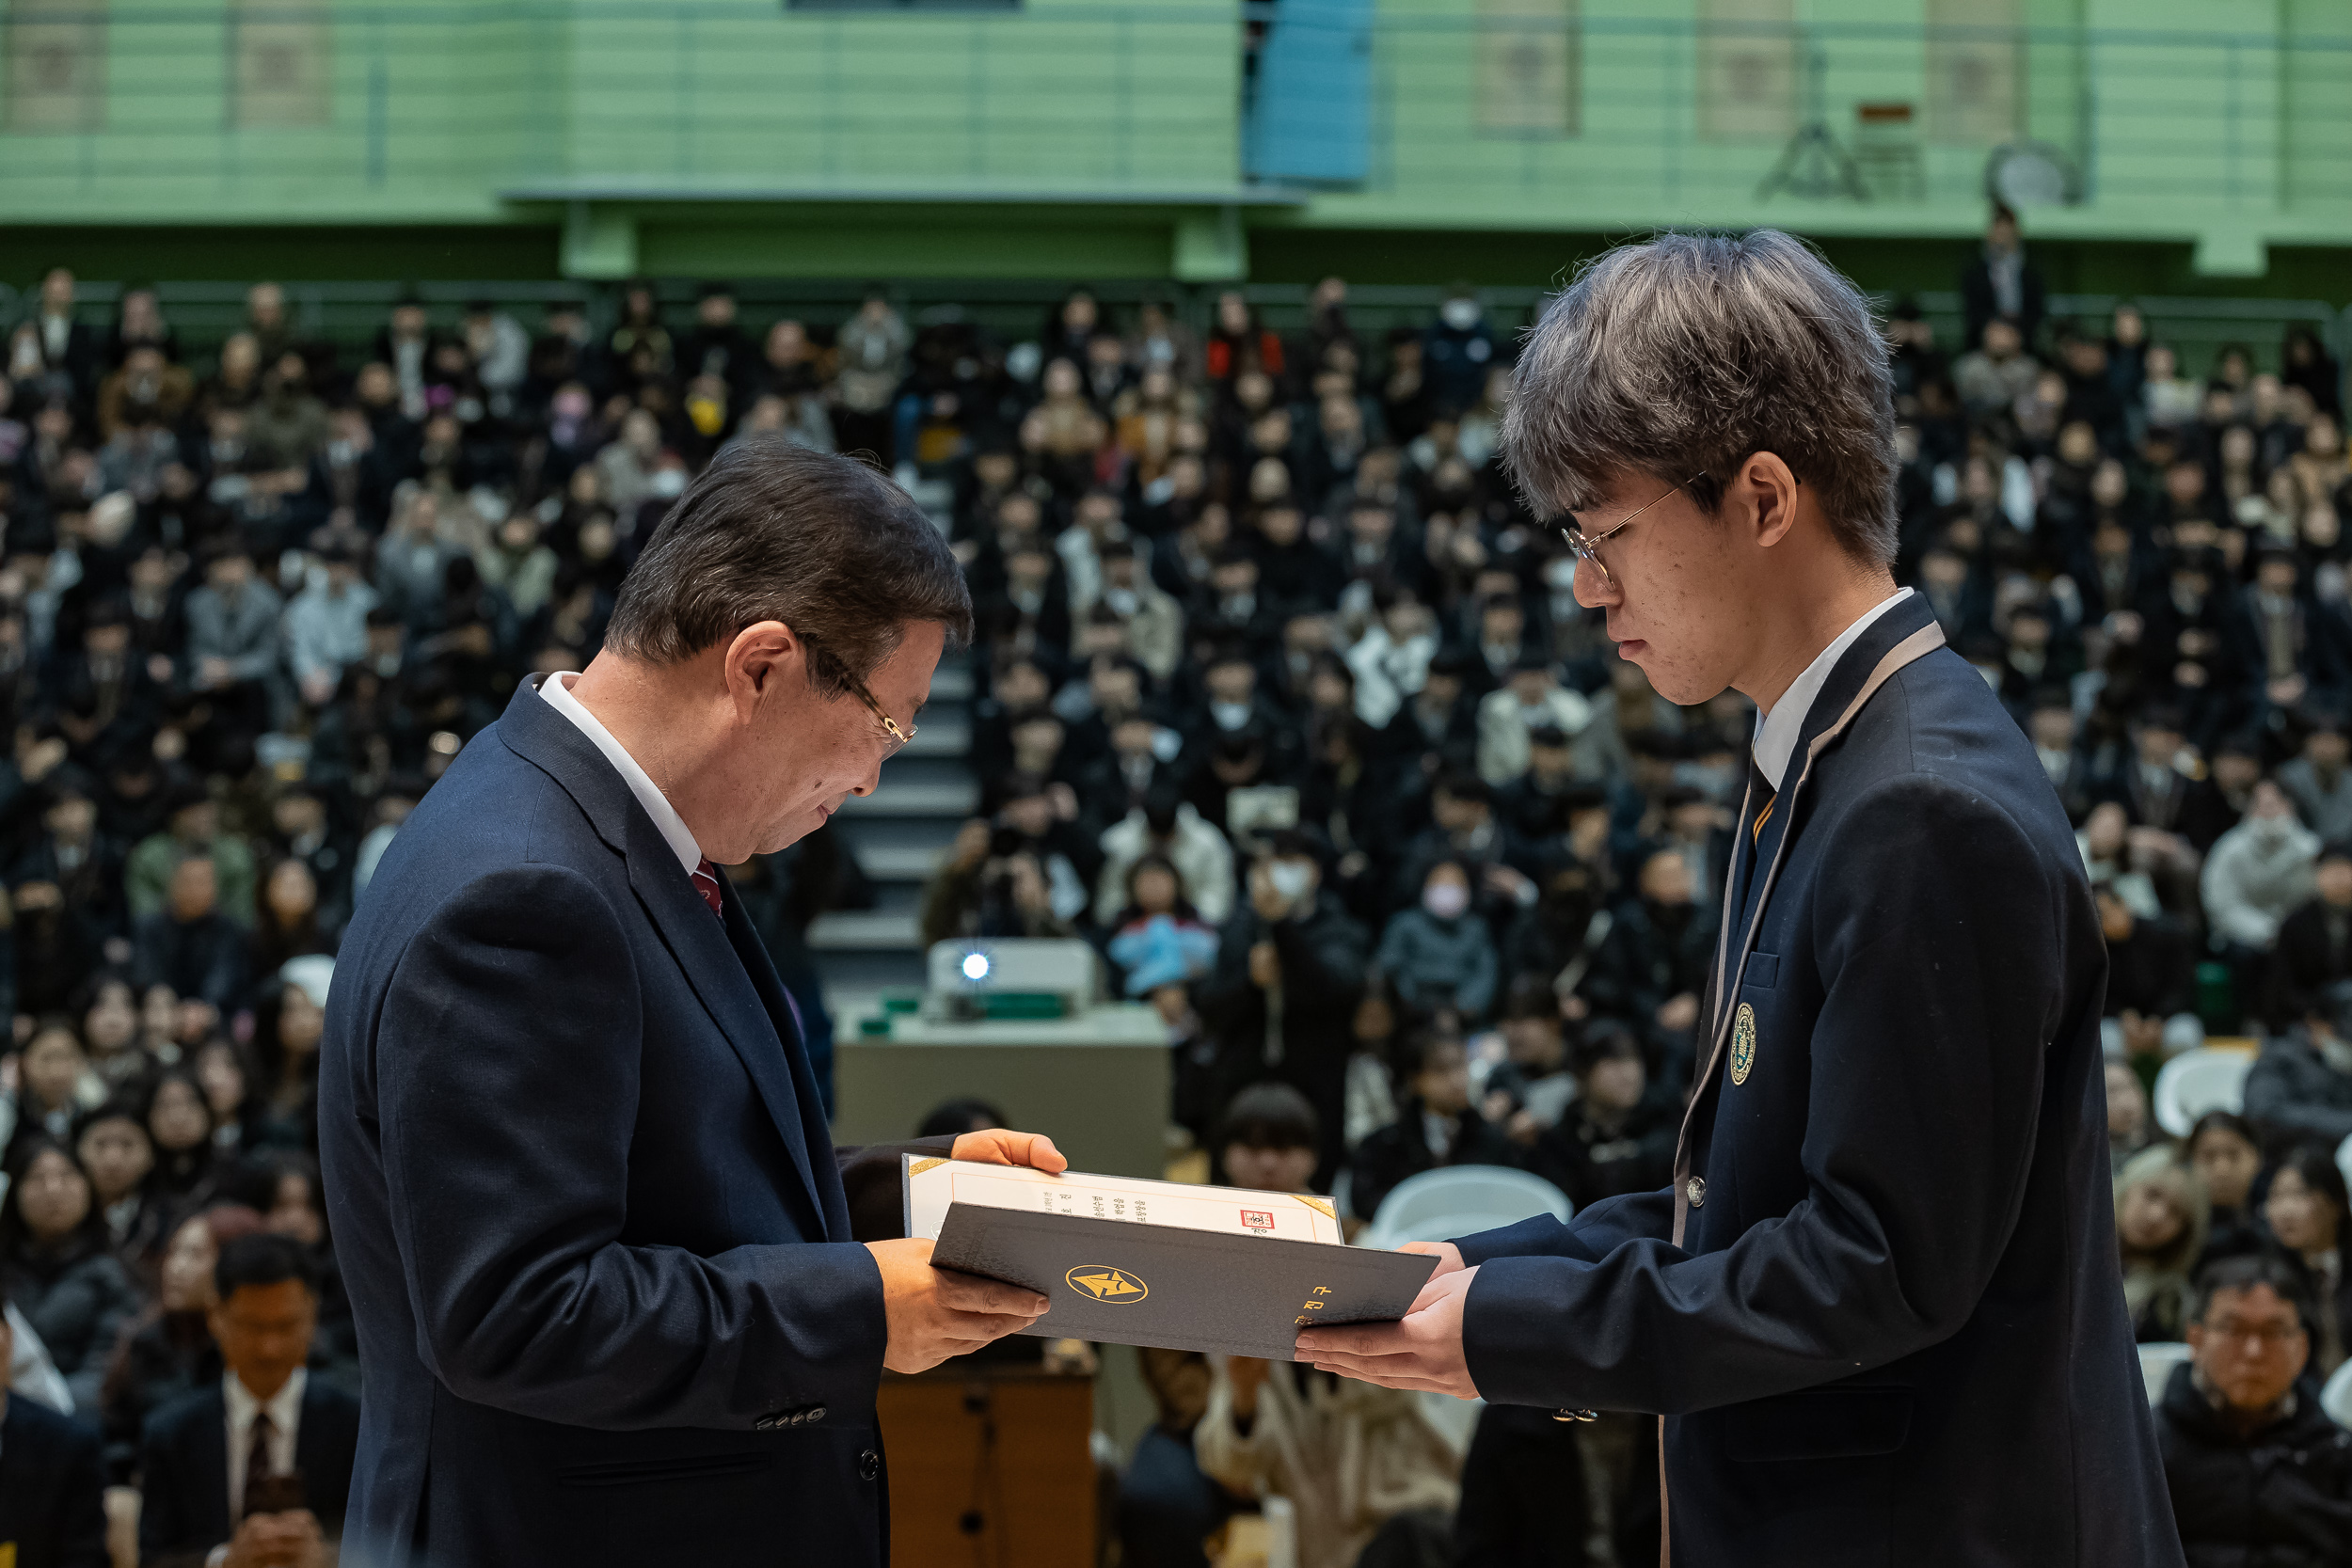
<point x="759" y="656"/>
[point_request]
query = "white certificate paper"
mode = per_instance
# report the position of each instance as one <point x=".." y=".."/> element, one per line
<point x="933" y="1184"/>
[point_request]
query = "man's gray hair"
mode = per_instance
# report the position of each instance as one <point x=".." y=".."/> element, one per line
<point x="1681" y="355"/>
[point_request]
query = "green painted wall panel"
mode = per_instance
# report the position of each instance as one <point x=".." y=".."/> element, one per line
<point x="2191" y="119"/>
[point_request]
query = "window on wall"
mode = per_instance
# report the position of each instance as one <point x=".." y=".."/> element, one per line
<point x="1974" y="68"/>
<point x="56" y="76"/>
<point x="1525" y="83"/>
<point x="1747" y="69"/>
<point x="281" y="61"/>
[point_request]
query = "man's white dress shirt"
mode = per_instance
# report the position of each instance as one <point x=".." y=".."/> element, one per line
<point x="285" y="1414"/>
<point x="557" y="689"/>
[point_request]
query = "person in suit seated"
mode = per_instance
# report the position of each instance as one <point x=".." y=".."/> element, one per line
<point x="255" y="1472"/>
<point x="1878" y="1306"/>
<point x="52" y="1482"/>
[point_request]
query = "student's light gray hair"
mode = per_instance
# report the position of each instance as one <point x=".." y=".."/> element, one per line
<point x="1683" y="355"/>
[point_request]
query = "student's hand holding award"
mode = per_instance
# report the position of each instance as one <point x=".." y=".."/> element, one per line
<point x="1421" y="1352"/>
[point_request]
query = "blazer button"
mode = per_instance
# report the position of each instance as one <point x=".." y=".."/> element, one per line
<point x="1576" y="1414"/>
<point x="798" y="1417"/>
<point x="1697" y="1189"/>
<point x="816" y="1413"/>
<point x="868" y="1464"/>
<point x="764" y="1423"/>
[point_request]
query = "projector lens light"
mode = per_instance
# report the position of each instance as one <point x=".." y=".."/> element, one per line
<point x="976" y="966"/>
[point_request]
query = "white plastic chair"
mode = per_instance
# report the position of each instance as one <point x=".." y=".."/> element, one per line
<point x="1458" y="1200"/>
<point x="2155" y="1365"/>
<point x="2336" y="1398"/>
<point x="2199" y="1081"/>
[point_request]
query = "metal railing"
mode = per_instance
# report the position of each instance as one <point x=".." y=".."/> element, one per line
<point x="348" y="313"/>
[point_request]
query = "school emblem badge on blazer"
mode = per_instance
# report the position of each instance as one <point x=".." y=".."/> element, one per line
<point x="1743" y="1044"/>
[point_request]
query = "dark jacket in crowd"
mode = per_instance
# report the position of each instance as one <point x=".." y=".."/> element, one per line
<point x="53" y="1487"/>
<point x="2294" y="1096"/>
<point x="1402" y="1149"/>
<point x="184" y="1460"/>
<point x="1590" y="1162"/>
<point x="77" y="1301"/>
<point x="2280" y="1496"/>
<point x="2314" y="952"/>
<point x="165" y="1358"/>
<point x="204" y="957"/>
<point x="1322" y="956"/>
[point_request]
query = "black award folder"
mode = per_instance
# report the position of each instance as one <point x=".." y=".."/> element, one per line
<point x="1121" y="1282"/>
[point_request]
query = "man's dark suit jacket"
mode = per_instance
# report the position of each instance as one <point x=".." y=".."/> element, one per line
<point x="52" y="1486"/>
<point x="609" y="1304"/>
<point x="1894" y="1330"/>
<point x="184" y="1463"/>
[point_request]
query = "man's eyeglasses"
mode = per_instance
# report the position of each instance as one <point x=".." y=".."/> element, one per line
<point x="894" y="739"/>
<point x="1587" y="546"/>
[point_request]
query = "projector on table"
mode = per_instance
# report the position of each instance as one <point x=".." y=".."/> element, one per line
<point x="1011" y="977"/>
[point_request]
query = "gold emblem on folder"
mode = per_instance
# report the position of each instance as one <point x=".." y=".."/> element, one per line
<point x="1101" y="1282"/>
<point x="1743" y="1044"/>
<point x="921" y="1166"/>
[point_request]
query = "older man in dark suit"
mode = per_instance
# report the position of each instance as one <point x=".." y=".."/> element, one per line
<point x="1879" y="1305"/>
<point x="609" y="1302"/>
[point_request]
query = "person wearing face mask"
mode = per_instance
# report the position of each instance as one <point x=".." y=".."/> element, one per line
<point x="1457" y="351"/>
<point x="1439" y="954"/>
<point x="2301" y="1085"/>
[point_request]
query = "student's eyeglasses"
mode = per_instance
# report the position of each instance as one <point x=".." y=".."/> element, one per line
<point x="1587" y="545"/>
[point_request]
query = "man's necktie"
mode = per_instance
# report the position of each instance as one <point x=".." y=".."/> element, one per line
<point x="1766" y="796"/>
<point x="257" y="1461"/>
<point x="706" y="883"/>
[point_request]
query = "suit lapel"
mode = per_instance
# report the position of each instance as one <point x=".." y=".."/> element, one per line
<point x="719" y="978"/>
<point x="785" y="1012"/>
<point x="1874" y="657"/>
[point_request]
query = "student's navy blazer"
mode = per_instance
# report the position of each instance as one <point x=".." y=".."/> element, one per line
<point x="1893" y="1330"/>
<point x="183" y="1469"/>
<point x="597" y="1244"/>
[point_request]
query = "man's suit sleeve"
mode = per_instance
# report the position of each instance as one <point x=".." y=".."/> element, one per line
<point x="1940" y="937"/>
<point x="507" y="1061"/>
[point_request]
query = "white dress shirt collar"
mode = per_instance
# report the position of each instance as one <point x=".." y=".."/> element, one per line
<point x="557" y="689"/>
<point x="1776" y="731"/>
<point x="285" y="1415"/>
